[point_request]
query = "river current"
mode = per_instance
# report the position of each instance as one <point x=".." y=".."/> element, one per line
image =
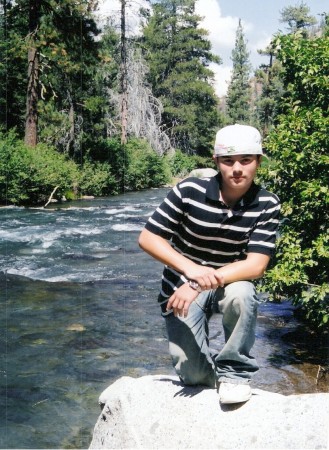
<point x="78" y="311"/>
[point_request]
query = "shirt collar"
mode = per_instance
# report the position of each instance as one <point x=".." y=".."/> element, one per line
<point x="214" y="186"/>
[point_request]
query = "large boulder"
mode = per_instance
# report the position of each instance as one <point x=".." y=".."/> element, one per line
<point x="159" y="412"/>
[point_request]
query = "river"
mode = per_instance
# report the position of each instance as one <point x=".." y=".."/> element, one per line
<point x="78" y="311"/>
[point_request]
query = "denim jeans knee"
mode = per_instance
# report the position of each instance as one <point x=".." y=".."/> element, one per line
<point x="238" y="305"/>
<point x="189" y="344"/>
<point x="189" y="341"/>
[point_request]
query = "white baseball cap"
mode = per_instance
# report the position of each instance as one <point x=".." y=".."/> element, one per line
<point x="238" y="140"/>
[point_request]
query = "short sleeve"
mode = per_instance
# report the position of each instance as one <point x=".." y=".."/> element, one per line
<point x="167" y="216"/>
<point x="264" y="234"/>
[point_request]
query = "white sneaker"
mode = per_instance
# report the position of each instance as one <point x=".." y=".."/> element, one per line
<point x="234" y="393"/>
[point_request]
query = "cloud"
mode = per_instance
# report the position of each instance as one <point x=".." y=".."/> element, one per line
<point x="222" y="34"/>
<point x="221" y="29"/>
<point x="222" y="78"/>
<point x="261" y="43"/>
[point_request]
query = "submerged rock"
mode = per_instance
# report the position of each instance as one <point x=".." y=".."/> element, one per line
<point x="159" y="412"/>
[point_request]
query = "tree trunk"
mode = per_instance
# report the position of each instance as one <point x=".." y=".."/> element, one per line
<point x="123" y="75"/>
<point x="31" y="124"/>
<point x="32" y="97"/>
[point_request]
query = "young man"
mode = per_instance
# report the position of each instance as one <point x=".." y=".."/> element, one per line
<point x="215" y="235"/>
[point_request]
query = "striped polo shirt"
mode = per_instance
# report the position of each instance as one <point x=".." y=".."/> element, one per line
<point x="206" y="231"/>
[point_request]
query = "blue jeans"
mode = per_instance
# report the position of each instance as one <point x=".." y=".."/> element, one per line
<point x="188" y="338"/>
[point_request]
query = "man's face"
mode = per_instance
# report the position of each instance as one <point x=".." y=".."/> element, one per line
<point x="238" y="171"/>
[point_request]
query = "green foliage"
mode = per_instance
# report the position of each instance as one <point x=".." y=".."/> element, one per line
<point x="325" y="24"/>
<point x="291" y="275"/>
<point x="306" y="69"/>
<point x="297" y="17"/>
<point x="299" y="148"/>
<point x="144" y="168"/>
<point x="111" y="150"/>
<point x="68" y="59"/>
<point x="238" y="94"/>
<point x="268" y="103"/>
<point x="96" y="179"/>
<point x="29" y="175"/>
<point x="182" y="164"/>
<point x="178" y="55"/>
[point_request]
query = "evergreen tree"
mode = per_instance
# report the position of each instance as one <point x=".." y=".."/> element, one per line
<point x="99" y="113"/>
<point x="298" y="18"/>
<point x="270" y="90"/>
<point x="325" y="24"/>
<point x="13" y="67"/>
<point x="60" y="39"/>
<point x="238" y="98"/>
<point x="178" y="54"/>
<point x="270" y="77"/>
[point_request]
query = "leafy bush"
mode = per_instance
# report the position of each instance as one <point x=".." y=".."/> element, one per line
<point x="29" y="175"/>
<point x="182" y="164"/>
<point x="301" y="272"/>
<point x="113" y="153"/>
<point x="299" y="147"/>
<point x="143" y="167"/>
<point x="96" y="179"/>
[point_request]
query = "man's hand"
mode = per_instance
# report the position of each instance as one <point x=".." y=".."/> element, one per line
<point x="181" y="299"/>
<point x="206" y="277"/>
<point x="161" y="249"/>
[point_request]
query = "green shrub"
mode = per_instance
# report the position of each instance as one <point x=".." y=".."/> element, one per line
<point x="299" y="146"/>
<point x="29" y="175"/>
<point x="113" y="153"/>
<point x="299" y="176"/>
<point x="182" y="164"/>
<point x="143" y="167"/>
<point x="96" y="179"/>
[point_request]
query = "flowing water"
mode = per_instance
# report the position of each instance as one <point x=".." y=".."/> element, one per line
<point x="78" y="311"/>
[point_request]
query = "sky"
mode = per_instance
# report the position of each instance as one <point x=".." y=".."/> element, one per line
<point x="260" y="20"/>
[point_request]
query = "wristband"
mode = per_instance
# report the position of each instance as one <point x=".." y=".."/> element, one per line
<point x="194" y="285"/>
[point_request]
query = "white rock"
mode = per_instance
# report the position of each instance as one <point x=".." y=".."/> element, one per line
<point x="159" y="412"/>
<point x="203" y="173"/>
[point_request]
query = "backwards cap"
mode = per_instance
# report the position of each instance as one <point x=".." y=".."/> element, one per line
<point x="238" y="140"/>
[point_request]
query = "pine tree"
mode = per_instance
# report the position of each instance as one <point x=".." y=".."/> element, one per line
<point x="270" y="92"/>
<point x="270" y="76"/>
<point x="178" y="54"/>
<point x="59" y="38"/>
<point x="298" y="18"/>
<point x="239" y="92"/>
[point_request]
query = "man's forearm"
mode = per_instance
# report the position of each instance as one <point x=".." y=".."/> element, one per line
<point x="160" y="249"/>
<point x="249" y="269"/>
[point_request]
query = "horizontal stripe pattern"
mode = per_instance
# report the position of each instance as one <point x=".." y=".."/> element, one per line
<point x="207" y="232"/>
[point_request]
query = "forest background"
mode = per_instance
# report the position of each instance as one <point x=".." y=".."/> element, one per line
<point x="90" y="109"/>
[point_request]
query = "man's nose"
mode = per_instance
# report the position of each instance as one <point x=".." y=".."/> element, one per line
<point x="237" y="166"/>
